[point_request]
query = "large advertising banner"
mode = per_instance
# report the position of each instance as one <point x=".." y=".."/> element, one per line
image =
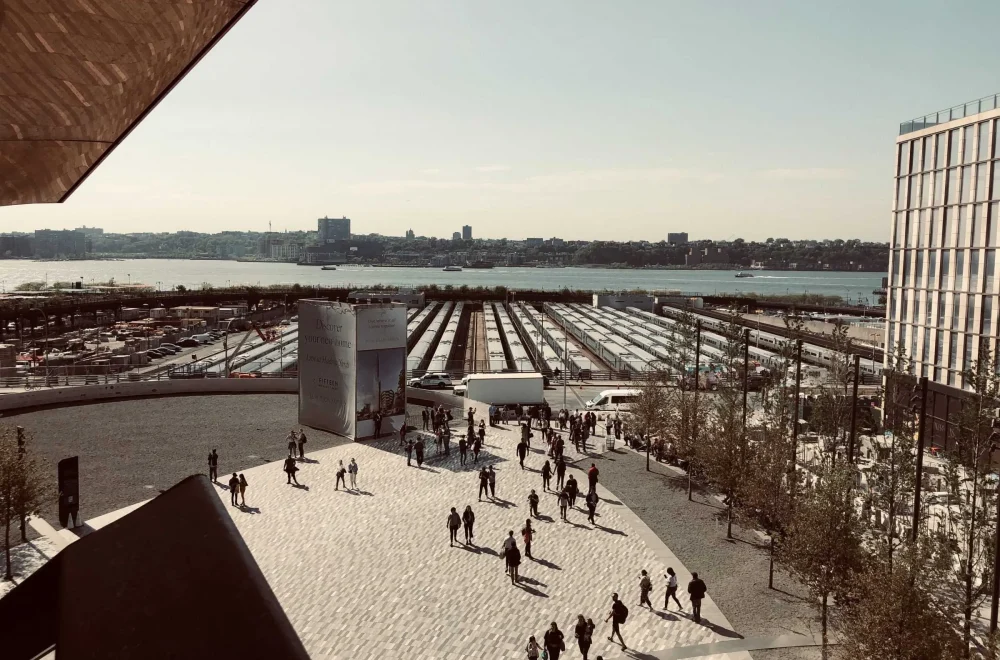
<point x="381" y="369"/>
<point x="327" y="352"/>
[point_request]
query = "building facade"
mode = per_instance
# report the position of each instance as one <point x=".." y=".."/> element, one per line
<point x="334" y="229"/>
<point x="466" y="232"/>
<point x="58" y="243"/>
<point x="942" y="295"/>
<point x="677" y="238"/>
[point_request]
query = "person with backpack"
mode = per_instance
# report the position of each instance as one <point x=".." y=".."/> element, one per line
<point x="584" y="633"/>
<point x="696" y="590"/>
<point x="546" y="476"/>
<point x="645" y="586"/>
<point x="671" y="590"/>
<point x="302" y="444"/>
<point x="468" y="519"/>
<point x="532" y="648"/>
<point x="618" y="615"/>
<point x="591" y="507"/>
<point x="560" y="467"/>
<point x="554" y="641"/>
<point x="454" y="522"/>
<point x="522" y="451"/>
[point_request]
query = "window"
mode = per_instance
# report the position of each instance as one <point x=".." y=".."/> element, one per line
<point x="968" y="144"/>
<point x="940" y="310"/>
<point x="991" y="237"/>
<point x="913" y="198"/>
<point x="934" y="233"/>
<point x="967" y="188"/>
<point x="974" y="270"/>
<point x="920" y="228"/>
<point x="982" y="153"/>
<point x="945" y="265"/>
<point x="904" y="158"/>
<point x="974" y="224"/>
<point x="970" y="342"/>
<point x="928" y="313"/>
<point x="987" y="315"/>
<point x="925" y="190"/>
<point x="991" y="264"/>
<point x="926" y="355"/>
<point x="928" y="163"/>
<point x="900" y="193"/>
<point x="953" y="352"/>
<point x="919" y="283"/>
<point x="938" y="189"/>
<point x="938" y="346"/>
<point x="944" y="227"/>
<point x="970" y="314"/>
<point x="906" y="267"/>
<point x="917" y="156"/>
<point x="960" y="270"/>
<point x="955" y="309"/>
<point x="954" y="147"/>
<point x="962" y="238"/>
<point x="899" y="230"/>
<point x="982" y="182"/>
<point x="996" y="142"/>
<point x="996" y="180"/>
<point x="954" y="190"/>
<point x="941" y="151"/>
<point x="895" y="267"/>
<point x="931" y="269"/>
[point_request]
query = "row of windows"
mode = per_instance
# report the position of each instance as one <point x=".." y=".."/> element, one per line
<point x="954" y="351"/>
<point x="958" y="185"/>
<point x="944" y="310"/>
<point x="969" y="225"/>
<point x="908" y="270"/>
<point x="958" y="146"/>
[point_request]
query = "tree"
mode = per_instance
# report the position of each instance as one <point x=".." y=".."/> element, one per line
<point x="972" y="498"/>
<point x="23" y="486"/>
<point x="689" y="416"/>
<point x="823" y="543"/>
<point x="648" y="414"/>
<point x="894" y="612"/>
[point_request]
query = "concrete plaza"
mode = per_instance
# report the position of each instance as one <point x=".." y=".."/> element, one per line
<point x="369" y="573"/>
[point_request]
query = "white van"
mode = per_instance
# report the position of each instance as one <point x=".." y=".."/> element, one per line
<point x="613" y="400"/>
<point x="203" y="338"/>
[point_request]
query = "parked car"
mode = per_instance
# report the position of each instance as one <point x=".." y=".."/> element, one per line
<point x="285" y="322"/>
<point x="172" y="350"/>
<point x="174" y="347"/>
<point x="431" y="381"/>
<point x="188" y="342"/>
<point x="152" y="355"/>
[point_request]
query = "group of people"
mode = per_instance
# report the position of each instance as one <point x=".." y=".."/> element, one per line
<point x="696" y="590"/>
<point x="295" y="441"/>
<point x="237" y="483"/>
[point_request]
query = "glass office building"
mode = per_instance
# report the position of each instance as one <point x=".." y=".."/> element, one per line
<point x="943" y="298"/>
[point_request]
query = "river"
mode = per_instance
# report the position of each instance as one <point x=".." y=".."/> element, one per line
<point x="167" y="273"/>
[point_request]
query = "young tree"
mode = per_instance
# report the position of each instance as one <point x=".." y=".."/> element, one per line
<point x="23" y="486"/>
<point x="972" y="499"/>
<point x="689" y="416"/>
<point x="894" y="612"/>
<point x="823" y="543"/>
<point x="649" y="412"/>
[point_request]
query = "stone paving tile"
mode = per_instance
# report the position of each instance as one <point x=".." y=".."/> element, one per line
<point x="369" y="574"/>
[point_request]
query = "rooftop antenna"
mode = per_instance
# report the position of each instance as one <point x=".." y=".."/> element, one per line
<point x="268" y="226"/>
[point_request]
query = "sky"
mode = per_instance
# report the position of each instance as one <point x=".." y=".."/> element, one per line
<point x="572" y="118"/>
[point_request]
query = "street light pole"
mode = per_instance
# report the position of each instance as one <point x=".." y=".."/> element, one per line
<point x="920" y="457"/>
<point x="854" y="408"/>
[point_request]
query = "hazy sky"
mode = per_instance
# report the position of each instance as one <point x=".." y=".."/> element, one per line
<point x="571" y="118"/>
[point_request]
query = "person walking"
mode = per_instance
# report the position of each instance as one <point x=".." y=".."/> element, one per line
<point x="482" y="433"/>
<point x="554" y="642"/>
<point x="292" y="441"/>
<point x="527" y="534"/>
<point x="425" y="418"/>
<point x="572" y="490"/>
<point x="560" y="471"/>
<point x="533" y="502"/>
<point x="584" y="634"/>
<point x="546" y="476"/>
<point x="234" y="489"/>
<point x="352" y="469"/>
<point x="671" y="590"/>
<point x="213" y="466"/>
<point x="563" y="503"/>
<point x="696" y="590"/>
<point x="377" y="420"/>
<point x="532" y="648"/>
<point x="591" y="507"/>
<point x="468" y="520"/>
<point x="477" y="445"/>
<point x="608" y="425"/>
<point x="454" y="522"/>
<point x="522" y="451"/>
<point x="592" y="477"/>
<point x="341" y="474"/>
<point x="513" y="558"/>
<point x="526" y="434"/>
<point x="302" y="444"/>
<point x="402" y="433"/>
<point x="645" y="586"/>
<point x="617" y="615"/>
<point x="243" y="490"/>
<point x="409" y="452"/>
<point x="291" y="468"/>
<point x="419" y="449"/>
<point x="493" y="483"/>
<point x="484" y="484"/>
<point x="463" y="446"/>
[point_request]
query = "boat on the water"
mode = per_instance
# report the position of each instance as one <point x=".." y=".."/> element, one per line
<point x="328" y="268"/>
<point x="742" y="274"/>
<point x="479" y="264"/>
<point x="452" y="269"/>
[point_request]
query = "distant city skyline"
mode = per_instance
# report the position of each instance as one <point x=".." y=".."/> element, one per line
<point x="571" y="119"/>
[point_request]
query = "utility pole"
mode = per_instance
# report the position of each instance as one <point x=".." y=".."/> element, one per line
<point x="854" y="408"/>
<point x="694" y="421"/>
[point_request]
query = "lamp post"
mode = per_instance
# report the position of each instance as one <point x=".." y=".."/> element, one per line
<point x="922" y="400"/>
<point x="854" y="408"/>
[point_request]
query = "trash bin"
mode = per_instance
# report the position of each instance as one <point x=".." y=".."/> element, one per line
<point x="609" y="442"/>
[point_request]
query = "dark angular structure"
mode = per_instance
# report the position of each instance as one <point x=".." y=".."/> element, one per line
<point x="76" y="76"/>
<point x="172" y="579"/>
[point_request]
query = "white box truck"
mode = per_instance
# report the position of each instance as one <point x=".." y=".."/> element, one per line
<point x="524" y="388"/>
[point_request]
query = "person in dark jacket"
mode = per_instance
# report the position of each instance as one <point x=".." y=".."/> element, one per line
<point x="462" y="447"/>
<point x="213" y="465"/>
<point x="409" y="452"/>
<point x="592" y="477"/>
<point x="533" y="503"/>
<point x="484" y="484"/>
<point x="493" y="482"/>
<point x="572" y="490"/>
<point x="554" y="642"/>
<point x="468" y="519"/>
<point x="291" y="469"/>
<point x="560" y="469"/>
<point x="645" y="586"/>
<point x="591" y="507"/>
<point x="696" y="590"/>
<point x="617" y="615"/>
<point x="419" y="449"/>
<point x="522" y="451"/>
<point x="584" y="633"/>
<point x="454" y="522"/>
<point x="302" y="444"/>
<point x="513" y="557"/>
<point x="234" y="489"/>
<point x="546" y="476"/>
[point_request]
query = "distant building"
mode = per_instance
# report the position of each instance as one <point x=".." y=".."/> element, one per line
<point x="209" y="314"/>
<point x="706" y="255"/>
<point x="334" y="229"/>
<point x="13" y="246"/>
<point x="410" y="234"/>
<point x="466" y="232"/>
<point x="622" y="301"/>
<point x="534" y="242"/>
<point x="53" y="243"/>
<point x="90" y="232"/>
<point x="677" y="238"/>
<point x="285" y="251"/>
<point x="556" y="242"/>
<point x="456" y="236"/>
